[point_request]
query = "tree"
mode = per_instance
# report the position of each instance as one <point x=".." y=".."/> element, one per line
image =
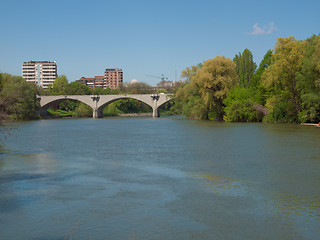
<point x="188" y="73"/>
<point x="265" y="63"/>
<point x="245" y="67"/>
<point x="216" y="77"/>
<point x="1" y="82"/>
<point x="76" y="88"/>
<point x="2" y="112"/>
<point x="60" y="86"/>
<point x="280" y="77"/>
<point x="97" y="91"/>
<point x="256" y="83"/>
<point x="136" y="88"/>
<point x="18" y="98"/>
<point x="308" y="81"/>
<point x="240" y="106"/>
<point x="188" y="102"/>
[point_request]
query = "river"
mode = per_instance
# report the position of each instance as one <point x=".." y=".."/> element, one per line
<point x="165" y="178"/>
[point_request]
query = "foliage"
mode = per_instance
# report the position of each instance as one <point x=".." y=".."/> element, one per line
<point x="280" y="109"/>
<point x="3" y="114"/>
<point x="308" y="82"/>
<point x="256" y="83"/>
<point x="240" y="106"/>
<point x="97" y="91"/>
<point x="162" y="90"/>
<point x="202" y="95"/>
<point x="216" y="77"/>
<point x="1" y="81"/>
<point x="280" y="77"/>
<point x="59" y="113"/>
<point x="188" y="73"/>
<point x="83" y="110"/>
<point x="126" y="106"/>
<point x="60" y="86"/>
<point x="310" y="108"/>
<point x="76" y="88"/>
<point x="245" y="67"/>
<point x="18" y="98"/>
<point x="136" y="88"/>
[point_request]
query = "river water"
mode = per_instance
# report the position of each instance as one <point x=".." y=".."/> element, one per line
<point x="166" y="178"/>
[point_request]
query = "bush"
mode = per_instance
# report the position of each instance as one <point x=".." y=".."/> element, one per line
<point x="83" y="110"/>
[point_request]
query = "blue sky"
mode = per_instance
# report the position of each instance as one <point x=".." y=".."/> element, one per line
<point x="145" y="37"/>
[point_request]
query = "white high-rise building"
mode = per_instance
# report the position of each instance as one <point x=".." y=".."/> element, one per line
<point x="42" y="73"/>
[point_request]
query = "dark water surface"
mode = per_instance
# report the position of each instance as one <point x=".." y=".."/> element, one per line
<point x="166" y="178"/>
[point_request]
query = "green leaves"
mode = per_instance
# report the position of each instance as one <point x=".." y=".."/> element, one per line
<point x="18" y="98"/>
<point x="245" y="67"/>
<point x="207" y="88"/>
<point x="60" y="86"/>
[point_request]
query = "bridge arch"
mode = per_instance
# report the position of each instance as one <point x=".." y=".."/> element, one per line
<point x="47" y="101"/>
<point x="98" y="102"/>
<point x="103" y="105"/>
<point x="49" y="104"/>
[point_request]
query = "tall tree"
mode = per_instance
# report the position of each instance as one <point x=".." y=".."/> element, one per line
<point x="308" y="81"/>
<point x="245" y="67"/>
<point x="216" y="77"/>
<point x="280" y="77"/>
<point x="60" y="86"/>
<point x="188" y="73"/>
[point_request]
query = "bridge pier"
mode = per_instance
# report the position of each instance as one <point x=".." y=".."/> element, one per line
<point x="155" y="112"/>
<point x="97" y="113"/>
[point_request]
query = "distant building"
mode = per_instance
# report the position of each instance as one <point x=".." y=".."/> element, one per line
<point x="42" y="73"/>
<point x="97" y="81"/>
<point x="113" y="77"/>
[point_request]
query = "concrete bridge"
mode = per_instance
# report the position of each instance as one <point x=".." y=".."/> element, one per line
<point x="98" y="102"/>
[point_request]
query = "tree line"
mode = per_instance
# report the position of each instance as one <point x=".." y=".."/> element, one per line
<point x="283" y="88"/>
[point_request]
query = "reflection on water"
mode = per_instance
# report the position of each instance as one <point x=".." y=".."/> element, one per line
<point x="223" y="185"/>
<point x="306" y="206"/>
<point x="167" y="178"/>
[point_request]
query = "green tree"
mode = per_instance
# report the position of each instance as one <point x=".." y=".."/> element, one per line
<point x="97" y="91"/>
<point x="245" y="67"/>
<point x="308" y="81"/>
<point x="240" y="106"/>
<point x="216" y="77"/>
<point x="256" y="85"/>
<point x="83" y="110"/>
<point x="280" y="78"/>
<point x="1" y="82"/>
<point x="76" y="88"/>
<point x="188" y="101"/>
<point x="265" y="63"/>
<point x="188" y="73"/>
<point x="136" y="88"/>
<point x="18" y="98"/>
<point x="60" y="86"/>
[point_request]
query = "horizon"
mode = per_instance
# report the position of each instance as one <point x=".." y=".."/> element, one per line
<point x="145" y="38"/>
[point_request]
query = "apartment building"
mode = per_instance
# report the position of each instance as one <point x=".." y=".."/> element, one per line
<point x="97" y="81"/>
<point x="42" y="73"/>
<point x="113" y="77"/>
